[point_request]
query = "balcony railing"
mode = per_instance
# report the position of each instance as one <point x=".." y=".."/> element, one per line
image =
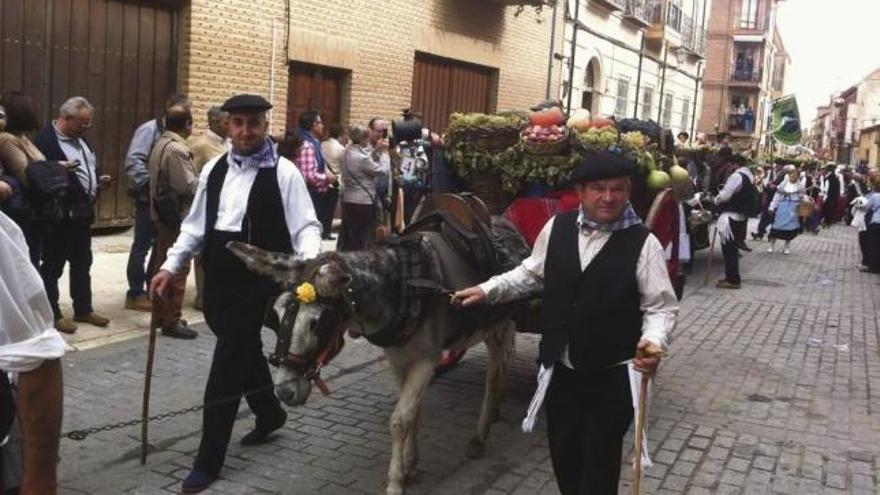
<point x="745" y="72"/>
<point x="640" y="11"/>
<point x="670" y="15"/>
<point x="737" y="122"/>
<point x="611" y="4"/>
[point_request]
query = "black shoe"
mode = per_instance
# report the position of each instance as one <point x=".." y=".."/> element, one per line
<point x="197" y="481"/>
<point x="260" y="434"/>
<point x="180" y="331"/>
<point x="742" y="246"/>
<point x="328" y="237"/>
<point x="757" y="237"/>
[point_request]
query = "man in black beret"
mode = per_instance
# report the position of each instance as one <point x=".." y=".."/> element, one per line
<point x="249" y="195"/>
<point x="608" y="310"/>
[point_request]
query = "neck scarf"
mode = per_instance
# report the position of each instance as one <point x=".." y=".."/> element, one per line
<point x="626" y="220"/>
<point x="264" y="157"/>
<point x="319" y="156"/>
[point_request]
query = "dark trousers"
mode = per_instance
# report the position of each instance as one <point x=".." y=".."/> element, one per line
<point x="140" y="246"/>
<point x="730" y="252"/>
<point x="764" y="222"/>
<point x="68" y="242"/>
<point x="587" y="417"/>
<point x="325" y="206"/>
<point x="358" y="227"/>
<point x="235" y="305"/>
<point x="863" y="247"/>
<point x="872" y="247"/>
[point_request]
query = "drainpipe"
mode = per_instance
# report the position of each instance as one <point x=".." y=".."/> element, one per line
<point x="697" y="82"/>
<point x="574" y="37"/>
<point x="272" y="72"/>
<point x="662" y="84"/>
<point x="552" y="47"/>
<point x="639" y="76"/>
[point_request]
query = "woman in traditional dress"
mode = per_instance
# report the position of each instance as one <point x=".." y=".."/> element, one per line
<point x="786" y="224"/>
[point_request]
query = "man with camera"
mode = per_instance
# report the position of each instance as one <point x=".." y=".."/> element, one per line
<point x="173" y="182"/>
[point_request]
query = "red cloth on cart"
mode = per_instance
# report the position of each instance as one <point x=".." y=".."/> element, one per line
<point x="529" y="215"/>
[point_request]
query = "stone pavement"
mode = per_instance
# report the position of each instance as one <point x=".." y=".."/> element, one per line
<point x="767" y="390"/>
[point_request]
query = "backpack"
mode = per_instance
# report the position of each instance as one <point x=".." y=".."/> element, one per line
<point x="751" y="198"/>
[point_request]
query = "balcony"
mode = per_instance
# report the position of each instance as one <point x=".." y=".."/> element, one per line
<point x="639" y="12"/>
<point x="745" y="74"/>
<point x="741" y="124"/>
<point x="668" y="23"/>
<point x="510" y="3"/>
<point x="611" y="4"/>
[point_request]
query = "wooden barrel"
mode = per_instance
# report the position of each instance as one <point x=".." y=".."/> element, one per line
<point x="806" y="209"/>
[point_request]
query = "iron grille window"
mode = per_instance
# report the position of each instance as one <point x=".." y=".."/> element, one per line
<point x="685" y="114"/>
<point x="622" y="96"/>
<point x="667" y="110"/>
<point x="647" y="103"/>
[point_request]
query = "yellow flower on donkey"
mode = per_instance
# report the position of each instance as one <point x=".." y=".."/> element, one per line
<point x="306" y="293"/>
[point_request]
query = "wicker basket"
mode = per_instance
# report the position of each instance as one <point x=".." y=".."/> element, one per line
<point x="483" y="138"/>
<point x="552" y="148"/>
<point x="805" y="209"/>
<point x="487" y="187"/>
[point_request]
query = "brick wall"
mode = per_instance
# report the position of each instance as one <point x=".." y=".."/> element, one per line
<point x="226" y="48"/>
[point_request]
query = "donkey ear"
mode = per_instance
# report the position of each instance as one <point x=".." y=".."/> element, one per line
<point x="280" y="267"/>
<point x="332" y="279"/>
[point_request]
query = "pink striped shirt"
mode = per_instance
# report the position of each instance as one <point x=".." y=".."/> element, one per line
<point x="308" y="165"/>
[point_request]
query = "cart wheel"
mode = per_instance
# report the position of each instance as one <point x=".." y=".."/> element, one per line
<point x="448" y="360"/>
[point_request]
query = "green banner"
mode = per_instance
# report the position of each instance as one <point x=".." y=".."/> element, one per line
<point x="786" y="121"/>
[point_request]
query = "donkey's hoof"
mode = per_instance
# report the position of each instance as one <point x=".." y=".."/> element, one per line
<point x="476" y="448"/>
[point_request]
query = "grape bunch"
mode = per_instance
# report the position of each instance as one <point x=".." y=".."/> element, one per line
<point x="596" y="140"/>
<point x="633" y="141"/>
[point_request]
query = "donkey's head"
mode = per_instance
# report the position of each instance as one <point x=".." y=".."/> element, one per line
<point x="311" y="314"/>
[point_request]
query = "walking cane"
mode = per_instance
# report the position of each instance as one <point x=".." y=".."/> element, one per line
<point x="640" y="429"/>
<point x="650" y="351"/>
<point x="148" y="378"/>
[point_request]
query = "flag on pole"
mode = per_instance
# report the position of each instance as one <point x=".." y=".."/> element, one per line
<point x="786" y="121"/>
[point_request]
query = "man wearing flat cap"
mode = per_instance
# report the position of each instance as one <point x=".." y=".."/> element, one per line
<point x="252" y="195"/>
<point x="608" y="305"/>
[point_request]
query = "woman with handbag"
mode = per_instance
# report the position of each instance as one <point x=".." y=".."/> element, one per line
<point x="16" y="153"/>
<point x="361" y="207"/>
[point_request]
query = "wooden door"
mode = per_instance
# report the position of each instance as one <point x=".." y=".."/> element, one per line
<point x="117" y="54"/>
<point x="442" y="86"/>
<point x="312" y="87"/>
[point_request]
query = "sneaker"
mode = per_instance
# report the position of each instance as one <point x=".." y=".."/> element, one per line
<point x="64" y="325"/>
<point x="724" y="284"/>
<point x="93" y="319"/>
<point x="180" y="331"/>
<point x="197" y="481"/>
<point x="770" y="249"/>
<point x="786" y="251"/>
<point x="138" y="303"/>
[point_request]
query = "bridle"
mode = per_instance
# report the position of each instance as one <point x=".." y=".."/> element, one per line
<point x="330" y="333"/>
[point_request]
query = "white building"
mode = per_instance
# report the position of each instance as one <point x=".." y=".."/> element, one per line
<point x="635" y="58"/>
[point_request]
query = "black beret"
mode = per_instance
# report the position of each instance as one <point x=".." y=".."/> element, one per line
<point x="246" y="104"/>
<point x="601" y="166"/>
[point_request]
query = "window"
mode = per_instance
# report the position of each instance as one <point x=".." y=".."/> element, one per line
<point x="749" y="14"/>
<point x="685" y="114"/>
<point x="622" y="96"/>
<point x="667" y="109"/>
<point x="647" y="103"/>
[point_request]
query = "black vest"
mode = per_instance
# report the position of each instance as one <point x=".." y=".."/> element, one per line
<point x="264" y="224"/>
<point x="596" y="311"/>
<point x="739" y="202"/>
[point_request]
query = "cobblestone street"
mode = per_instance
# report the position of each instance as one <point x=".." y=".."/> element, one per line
<point x="769" y="389"/>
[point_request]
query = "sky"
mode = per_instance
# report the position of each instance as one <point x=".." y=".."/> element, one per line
<point x="831" y="49"/>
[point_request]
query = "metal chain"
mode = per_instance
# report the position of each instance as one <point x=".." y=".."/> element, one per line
<point x="78" y="435"/>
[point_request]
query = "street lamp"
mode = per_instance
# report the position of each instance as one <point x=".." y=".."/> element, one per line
<point x="681" y="55"/>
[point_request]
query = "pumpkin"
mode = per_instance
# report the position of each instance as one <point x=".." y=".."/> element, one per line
<point x="547" y="117"/>
<point x="579" y="120"/>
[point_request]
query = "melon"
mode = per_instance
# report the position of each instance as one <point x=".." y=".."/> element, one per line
<point x="657" y="180"/>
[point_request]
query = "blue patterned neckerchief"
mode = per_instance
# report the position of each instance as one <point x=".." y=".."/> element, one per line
<point x="627" y="219"/>
<point x="265" y="157"/>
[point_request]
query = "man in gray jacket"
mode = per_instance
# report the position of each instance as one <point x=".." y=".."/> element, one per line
<point x="136" y="167"/>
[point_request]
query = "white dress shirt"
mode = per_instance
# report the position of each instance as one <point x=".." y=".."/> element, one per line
<point x="299" y="214"/>
<point x="27" y="328"/>
<point x="658" y="300"/>
<point x="77" y="150"/>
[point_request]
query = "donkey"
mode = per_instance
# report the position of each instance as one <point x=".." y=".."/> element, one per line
<point x="336" y="291"/>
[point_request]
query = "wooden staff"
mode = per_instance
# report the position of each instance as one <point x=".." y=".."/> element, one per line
<point x="148" y="378"/>
<point x="711" y="251"/>
<point x="640" y="429"/>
